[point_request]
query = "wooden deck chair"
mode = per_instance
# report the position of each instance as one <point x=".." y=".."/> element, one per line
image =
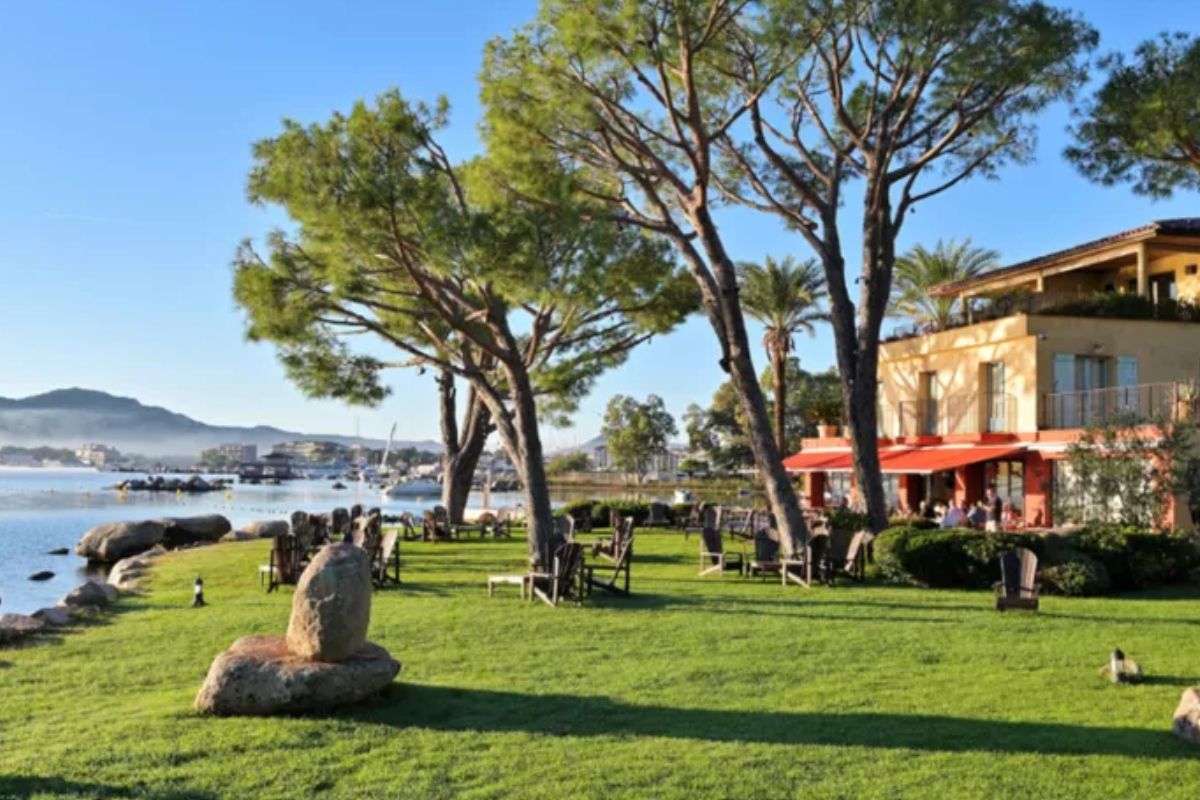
<point x="807" y="565"/>
<point x="611" y="547"/>
<point x="562" y="581"/>
<point x="659" y="516"/>
<point x="852" y="562"/>
<point x="318" y="531"/>
<point x="582" y="516"/>
<point x="713" y="558"/>
<point x="284" y="565"/>
<point x="735" y="521"/>
<point x="766" y="554"/>
<point x="503" y="524"/>
<point x="385" y="559"/>
<point x="1018" y="586"/>
<point x="694" y="522"/>
<point x="614" y="577"/>
<point x="435" y="526"/>
<point x="339" y="523"/>
<point x="408" y="529"/>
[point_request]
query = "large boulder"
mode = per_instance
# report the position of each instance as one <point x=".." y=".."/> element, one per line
<point x="331" y="606"/>
<point x="89" y="593"/>
<point x="54" y="616"/>
<point x="18" y="626"/>
<point x="264" y="529"/>
<point x="259" y="675"/>
<point x="1187" y="716"/>
<point x="184" y="531"/>
<point x="127" y="572"/>
<point x="113" y="541"/>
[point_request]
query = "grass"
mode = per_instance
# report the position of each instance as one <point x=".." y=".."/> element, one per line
<point x="694" y="688"/>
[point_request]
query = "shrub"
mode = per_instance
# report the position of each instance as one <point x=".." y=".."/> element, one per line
<point x="1139" y="559"/>
<point x="1075" y="575"/>
<point x="843" y="519"/>
<point x="918" y="523"/>
<point x="954" y="558"/>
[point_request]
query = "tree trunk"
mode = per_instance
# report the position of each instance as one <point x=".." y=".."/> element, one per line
<point x="460" y="452"/>
<point x="778" y="382"/>
<point x="530" y="464"/>
<point x="725" y="314"/>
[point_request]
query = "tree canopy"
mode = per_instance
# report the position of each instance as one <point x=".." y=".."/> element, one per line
<point x="919" y="270"/>
<point x="635" y="432"/>
<point x="1142" y="126"/>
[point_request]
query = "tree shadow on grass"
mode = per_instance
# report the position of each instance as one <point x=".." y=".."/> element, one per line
<point x="1170" y="680"/>
<point x="455" y="709"/>
<point x="21" y="786"/>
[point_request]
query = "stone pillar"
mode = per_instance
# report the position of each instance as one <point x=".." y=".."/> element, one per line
<point x="1143" y="280"/>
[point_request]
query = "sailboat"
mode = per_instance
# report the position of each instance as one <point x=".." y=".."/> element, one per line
<point x="405" y="487"/>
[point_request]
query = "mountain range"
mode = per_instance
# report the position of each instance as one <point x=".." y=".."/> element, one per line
<point x="70" y="417"/>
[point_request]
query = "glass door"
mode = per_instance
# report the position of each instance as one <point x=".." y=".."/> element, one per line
<point x="994" y="399"/>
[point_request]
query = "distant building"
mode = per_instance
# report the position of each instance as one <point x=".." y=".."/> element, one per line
<point x="97" y="455"/>
<point x="313" y="452"/>
<point x="663" y="464"/>
<point x="238" y="453"/>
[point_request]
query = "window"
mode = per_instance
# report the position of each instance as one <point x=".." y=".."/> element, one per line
<point x="1163" y="288"/>
<point x="995" y="400"/>
<point x="1127" y="381"/>
<point x="837" y="486"/>
<point x="927" y="403"/>
<point x="1009" y="481"/>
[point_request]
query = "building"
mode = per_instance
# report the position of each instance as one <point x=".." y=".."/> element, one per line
<point x="237" y="453"/>
<point x="318" y="452"/>
<point x="1043" y="348"/>
<point x="662" y="464"/>
<point x="97" y="455"/>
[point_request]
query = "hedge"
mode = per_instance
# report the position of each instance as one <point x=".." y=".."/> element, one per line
<point x="638" y="509"/>
<point x="1086" y="562"/>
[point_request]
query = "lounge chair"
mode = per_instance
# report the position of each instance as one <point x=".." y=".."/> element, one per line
<point x="659" y="516"/>
<point x="562" y="581"/>
<point x="408" y="529"/>
<point x="503" y="523"/>
<point x="808" y="564"/>
<point x="712" y="550"/>
<point x="694" y="522"/>
<point x="766" y="555"/>
<point x="435" y="525"/>
<point x="582" y="515"/>
<point x="737" y="522"/>
<point x="614" y="577"/>
<point x="1018" y="586"/>
<point x="285" y="563"/>
<point x="612" y="547"/>
<point x="852" y="561"/>
<point x="385" y="559"/>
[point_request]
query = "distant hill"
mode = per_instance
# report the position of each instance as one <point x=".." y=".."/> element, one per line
<point x="70" y="417"/>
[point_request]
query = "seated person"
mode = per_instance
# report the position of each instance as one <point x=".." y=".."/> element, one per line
<point x="978" y="516"/>
<point x="955" y="517"/>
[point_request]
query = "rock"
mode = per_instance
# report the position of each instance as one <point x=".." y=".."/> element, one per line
<point x="239" y="536"/>
<point x="113" y="541"/>
<point x="54" y="616"/>
<point x="90" y="593"/>
<point x="331" y="605"/>
<point x="258" y="675"/>
<point x="58" y="551"/>
<point x="126" y="573"/>
<point x="265" y="528"/>
<point x="18" y="626"/>
<point x="181" y="531"/>
<point x="44" y="575"/>
<point x="1187" y="716"/>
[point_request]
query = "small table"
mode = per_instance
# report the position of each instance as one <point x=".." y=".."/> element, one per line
<point x="506" y="580"/>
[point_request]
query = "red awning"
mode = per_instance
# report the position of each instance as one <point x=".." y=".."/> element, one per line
<point x="913" y="460"/>
<point x="927" y="460"/>
<point x="818" y="461"/>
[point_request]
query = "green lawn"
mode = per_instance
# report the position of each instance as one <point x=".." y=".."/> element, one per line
<point x="694" y="688"/>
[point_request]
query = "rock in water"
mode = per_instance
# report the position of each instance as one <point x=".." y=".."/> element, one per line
<point x="260" y="676"/>
<point x="1187" y="716"/>
<point x="58" y="551"/>
<point x="44" y="575"/>
<point x="332" y="605"/>
<point x="180" y="531"/>
<point x="112" y="541"/>
<point x="89" y="594"/>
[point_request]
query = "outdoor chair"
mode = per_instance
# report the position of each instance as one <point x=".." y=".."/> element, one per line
<point x="766" y="555"/>
<point x="407" y="528"/>
<point x="735" y="521"/>
<point x="339" y="522"/>
<point x="503" y="524"/>
<point x="435" y="525"/>
<point x="563" y="579"/>
<point x="712" y="551"/>
<point x="284" y="565"/>
<point x="385" y="559"/>
<point x="809" y="564"/>
<point x="694" y="523"/>
<point x="1018" y="586"/>
<point x="582" y="515"/>
<point x="852" y="561"/>
<point x="614" y="577"/>
<point x="612" y="547"/>
<point x="659" y="516"/>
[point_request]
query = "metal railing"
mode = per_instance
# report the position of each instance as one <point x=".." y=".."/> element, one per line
<point x="992" y="412"/>
<point x="1146" y="402"/>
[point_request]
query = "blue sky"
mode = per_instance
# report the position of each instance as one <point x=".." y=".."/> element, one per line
<point x="126" y="138"/>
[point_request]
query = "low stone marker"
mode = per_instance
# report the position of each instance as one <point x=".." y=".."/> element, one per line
<point x="324" y="661"/>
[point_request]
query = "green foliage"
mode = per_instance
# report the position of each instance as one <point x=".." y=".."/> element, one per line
<point x="920" y="270"/>
<point x="1124" y="470"/>
<point x="639" y="510"/>
<point x="845" y="520"/>
<point x="568" y="462"/>
<point x="635" y="432"/>
<point x="1075" y="575"/>
<point x="1142" y="126"/>
<point x="692" y="466"/>
<point x="955" y="558"/>
<point x="785" y="296"/>
<point x="1137" y="559"/>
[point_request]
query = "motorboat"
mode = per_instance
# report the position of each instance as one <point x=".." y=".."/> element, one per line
<point x="413" y="487"/>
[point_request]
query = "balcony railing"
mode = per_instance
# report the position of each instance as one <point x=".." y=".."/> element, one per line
<point x="1144" y="403"/>
<point x="956" y="414"/>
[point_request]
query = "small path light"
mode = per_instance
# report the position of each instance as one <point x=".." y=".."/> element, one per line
<point x="198" y="593"/>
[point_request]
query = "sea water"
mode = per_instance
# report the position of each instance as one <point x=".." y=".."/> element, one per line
<point x="45" y="509"/>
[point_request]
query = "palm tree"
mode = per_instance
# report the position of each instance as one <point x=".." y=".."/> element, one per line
<point x="785" y="296"/>
<point x="918" y="271"/>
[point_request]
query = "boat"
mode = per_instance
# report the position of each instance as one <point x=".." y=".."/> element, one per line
<point x="412" y="488"/>
<point x="683" y="496"/>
